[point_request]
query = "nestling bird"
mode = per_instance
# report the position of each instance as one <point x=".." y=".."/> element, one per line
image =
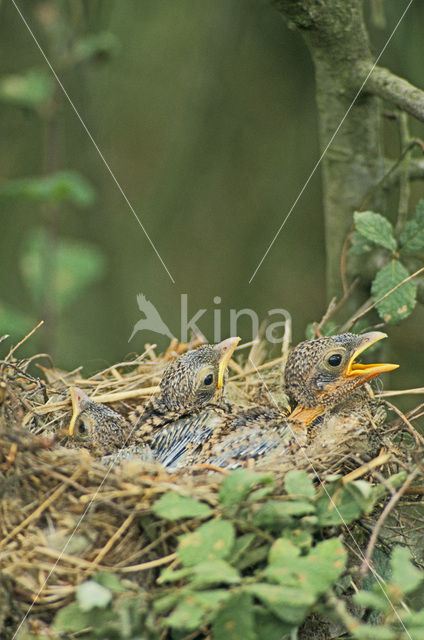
<point x="188" y="384"/>
<point x="96" y="426"/>
<point x="320" y="375"/>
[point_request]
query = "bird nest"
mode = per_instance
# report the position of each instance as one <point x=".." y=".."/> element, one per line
<point x="64" y="516"/>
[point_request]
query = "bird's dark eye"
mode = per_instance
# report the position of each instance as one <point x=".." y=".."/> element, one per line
<point x="335" y="359"/>
<point x="82" y="429"/>
<point x="208" y="380"/>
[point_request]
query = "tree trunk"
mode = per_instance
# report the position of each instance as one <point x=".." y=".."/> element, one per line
<point x="335" y="33"/>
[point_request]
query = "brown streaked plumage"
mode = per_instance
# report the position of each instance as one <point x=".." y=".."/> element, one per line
<point x="320" y="377"/>
<point x="189" y="383"/>
<point x="96" y="426"/>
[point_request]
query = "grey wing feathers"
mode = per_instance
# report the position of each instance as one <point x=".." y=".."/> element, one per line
<point x="245" y="444"/>
<point x="171" y="443"/>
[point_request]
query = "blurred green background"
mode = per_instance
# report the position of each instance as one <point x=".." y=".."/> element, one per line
<point x="206" y="113"/>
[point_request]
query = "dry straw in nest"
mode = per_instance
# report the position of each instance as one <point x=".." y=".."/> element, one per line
<point x="63" y="516"/>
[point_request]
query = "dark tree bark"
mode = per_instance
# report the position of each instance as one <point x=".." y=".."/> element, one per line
<point x="336" y="35"/>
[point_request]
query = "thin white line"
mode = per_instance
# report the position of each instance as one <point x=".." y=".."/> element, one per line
<point x="92" y="139"/>
<point x="332" y="502"/>
<point x="330" y="141"/>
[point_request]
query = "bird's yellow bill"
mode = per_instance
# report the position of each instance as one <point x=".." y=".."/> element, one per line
<point x="226" y="350"/>
<point x="367" y="371"/>
<point x="76" y="408"/>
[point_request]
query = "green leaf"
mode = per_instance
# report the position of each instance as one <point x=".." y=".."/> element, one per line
<point x="405" y="575"/>
<point x="211" y="541"/>
<point x="68" y="267"/>
<point x="274" y="514"/>
<point x="375" y="227"/>
<point x="174" y="575"/>
<point x="187" y="615"/>
<point x="29" y="90"/>
<point x="62" y="187"/>
<point x="281" y="551"/>
<point x="400" y="303"/>
<point x="207" y="574"/>
<point x="338" y="505"/>
<point x="110" y="581"/>
<point x="269" y="627"/>
<point x="414" y="622"/>
<point x="288" y="604"/>
<point x="419" y="212"/>
<point x="91" y="594"/>
<point x="241" y="546"/>
<point x="298" y="483"/>
<point x="72" y="619"/>
<point x="359" y="245"/>
<point x="314" y="573"/>
<point x="412" y="237"/>
<point x="238" y="484"/>
<point x="172" y="506"/>
<point x="373" y="632"/>
<point x="368" y="599"/>
<point x="234" y="621"/>
<point x="302" y="538"/>
<point x="195" y="609"/>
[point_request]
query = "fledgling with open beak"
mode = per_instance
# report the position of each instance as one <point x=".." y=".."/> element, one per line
<point x="321" y="372"/>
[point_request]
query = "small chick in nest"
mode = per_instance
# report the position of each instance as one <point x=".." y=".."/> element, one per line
<point x="194" y="380"/>
<point x="321" y="376"/>
<point x="191" y="382"/>
<point x="95" y="425"/>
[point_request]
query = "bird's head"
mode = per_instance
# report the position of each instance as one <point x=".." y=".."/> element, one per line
<point x="196" y="378"/>
<point x="321" y="372"/>
<point x="94" y="425"/>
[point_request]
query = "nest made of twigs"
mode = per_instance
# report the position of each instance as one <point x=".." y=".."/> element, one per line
<point x="64" y="516"/>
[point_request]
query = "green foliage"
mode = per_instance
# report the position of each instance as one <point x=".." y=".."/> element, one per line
<point x="62" y="187"/>
<point x="235" y="619"/>
<point x="216" y="592"/>
<point x="210" y="541"/>
<point x="30" y="90"/>
<point x="99" y="612"/>
<point x="299" y="482"/>
<point x="412" y="237"/>
<point x="241" y="581"/>
<point x="386" y="598"/>
<point x="67" y="266"/>
<point x="172" y="506"/>
<point x="237" y="486"/>
<point x="374" y="230"/>
<point x="399" y="304"/>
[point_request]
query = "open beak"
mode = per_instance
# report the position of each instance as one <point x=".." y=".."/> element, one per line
<point x="225" y="350"/>
<point x="78" y="398"/>
<point x="365" y="372"/>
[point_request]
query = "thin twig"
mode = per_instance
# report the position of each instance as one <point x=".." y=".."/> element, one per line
<point x="147" y="565"/>
<point x="416" y="434"/>
<point x="365" y="566"/>
<point x="13" y="349"/>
